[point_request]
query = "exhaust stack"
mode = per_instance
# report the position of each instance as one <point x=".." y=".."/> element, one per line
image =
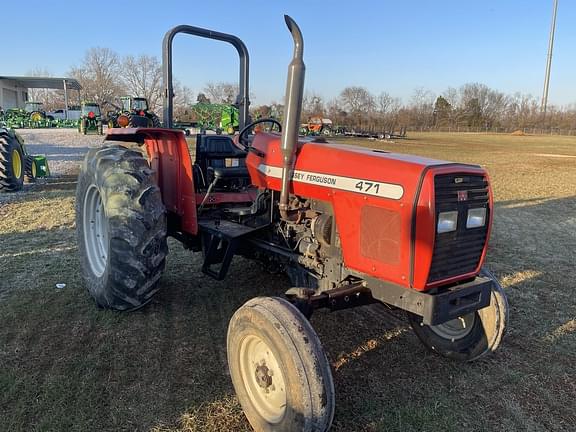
<point x="292" y="111"/>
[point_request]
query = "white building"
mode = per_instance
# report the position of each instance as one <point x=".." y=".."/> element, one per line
<point x="14" y="89"/>
<point x="12" y="94"/>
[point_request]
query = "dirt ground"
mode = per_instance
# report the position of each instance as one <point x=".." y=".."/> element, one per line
<point x="65" y="365"/>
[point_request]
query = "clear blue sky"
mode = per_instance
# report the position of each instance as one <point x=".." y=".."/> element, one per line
<point x="383" y="45"/>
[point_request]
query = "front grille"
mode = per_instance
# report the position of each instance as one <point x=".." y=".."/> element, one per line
<point x="459" y="252"/>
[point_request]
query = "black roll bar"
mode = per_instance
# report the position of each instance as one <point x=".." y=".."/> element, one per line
<point x="244" y="98"/>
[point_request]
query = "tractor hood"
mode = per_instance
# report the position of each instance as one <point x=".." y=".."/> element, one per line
<point x="340" y="167"/>
<point x="383" y="203"/>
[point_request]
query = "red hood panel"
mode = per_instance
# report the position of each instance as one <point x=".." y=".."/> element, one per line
<point x="371" y="191"/>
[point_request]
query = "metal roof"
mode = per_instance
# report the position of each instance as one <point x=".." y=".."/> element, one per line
<point x="44" y="82"/>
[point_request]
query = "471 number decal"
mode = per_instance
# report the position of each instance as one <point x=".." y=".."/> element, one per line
<point x="367" y="186"/>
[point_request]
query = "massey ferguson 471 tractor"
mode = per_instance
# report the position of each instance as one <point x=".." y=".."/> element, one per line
<point x="348" y="225"/>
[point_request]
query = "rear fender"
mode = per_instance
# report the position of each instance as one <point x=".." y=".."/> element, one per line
<point x="170" y="159"/>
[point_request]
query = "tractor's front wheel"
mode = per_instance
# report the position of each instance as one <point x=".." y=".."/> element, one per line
<point x="12" y="163"/>
<point x="30" y="170"/>
<point x="470" y="336"/>
<point x="121" y="228"/>
<point x="278" y="367"/>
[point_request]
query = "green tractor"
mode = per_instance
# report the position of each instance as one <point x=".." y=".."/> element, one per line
<point x="15" y="162"/>
<point x="210" y="116"/>
<point x="90" y="119"/>
<point x="31" y="116"/>
<point x="134" y="112"/>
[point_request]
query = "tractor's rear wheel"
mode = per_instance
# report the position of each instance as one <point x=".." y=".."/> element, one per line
<point x="37" y="116"/>
<point x="121" y="228"/>
<point x="155" y="121"/>
<point x="12" y="163"/>
<point x="278" y="367"/>
<point x="30" y="170"/>
<point x="470" y="336"/>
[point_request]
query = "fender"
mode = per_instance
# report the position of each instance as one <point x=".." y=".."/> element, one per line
<point x="170" y="159"/>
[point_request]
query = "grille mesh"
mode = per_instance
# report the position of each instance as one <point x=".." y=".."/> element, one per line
<point x="380" y="231"/>
<point x="459" y="252"/>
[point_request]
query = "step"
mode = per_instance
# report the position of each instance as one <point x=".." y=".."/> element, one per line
<point x="224" y="228"/>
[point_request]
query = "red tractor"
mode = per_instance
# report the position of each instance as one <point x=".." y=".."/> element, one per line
<point x="348" y="225"/>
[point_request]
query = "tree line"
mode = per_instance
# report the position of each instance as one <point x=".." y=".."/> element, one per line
<point x="105" y="76"/>
<point x="472" y="106"/>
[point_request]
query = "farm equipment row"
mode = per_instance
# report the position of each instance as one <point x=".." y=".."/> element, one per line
<point x="348" y="225"/>
<point x="323" y="126"/>
<point x="33" y="116"/>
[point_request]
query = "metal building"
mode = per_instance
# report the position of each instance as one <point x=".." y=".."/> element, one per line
<point x="14" y="89"/>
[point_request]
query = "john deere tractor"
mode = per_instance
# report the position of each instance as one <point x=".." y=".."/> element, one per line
<point x="15" y="162"/>
<point x="133" y="112"/>
<point x="90" y="119"/>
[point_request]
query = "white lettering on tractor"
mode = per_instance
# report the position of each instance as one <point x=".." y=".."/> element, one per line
<point x="363" y="186"/>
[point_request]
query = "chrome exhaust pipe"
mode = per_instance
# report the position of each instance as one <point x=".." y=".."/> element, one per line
<point x="292" y="111"/>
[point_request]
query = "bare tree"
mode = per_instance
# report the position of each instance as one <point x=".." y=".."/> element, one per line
<point x="183" y="100"/>
<point x="384" y="102"/>
<point x="221" y="92"/>
<point x="422" y="107"/>
<point x="99" y="75"/>
<point x="357" y="99"/>
<point x="142" y="77"/>
<point x="312" y="105"/>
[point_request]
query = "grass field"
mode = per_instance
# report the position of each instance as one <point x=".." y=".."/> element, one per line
<point x="67" y="366"/>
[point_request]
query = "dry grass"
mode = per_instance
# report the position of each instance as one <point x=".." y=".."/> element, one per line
<point x="65" y="365"/>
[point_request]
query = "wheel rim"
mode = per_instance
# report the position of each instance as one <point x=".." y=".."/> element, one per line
<point x="455" y="329"/>
<point x="263" y="379"/>
<point x="16" y="164"/>
<point x="33" y="169"/>
<point x="95" y="231"/>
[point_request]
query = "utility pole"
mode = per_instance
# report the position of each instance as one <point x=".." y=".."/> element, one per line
<point x="549" y="59"/>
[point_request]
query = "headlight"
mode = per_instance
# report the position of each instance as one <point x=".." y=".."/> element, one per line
<point x="476" y="218"/>
<point x="447" y="221"/>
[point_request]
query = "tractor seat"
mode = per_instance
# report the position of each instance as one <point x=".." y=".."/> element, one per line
<point x="228" y="172"/>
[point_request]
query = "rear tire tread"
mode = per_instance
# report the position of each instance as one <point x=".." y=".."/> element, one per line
<point x="136" y="224"/>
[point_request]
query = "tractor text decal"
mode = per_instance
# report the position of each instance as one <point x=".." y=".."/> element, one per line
<point x="368" y="187"/>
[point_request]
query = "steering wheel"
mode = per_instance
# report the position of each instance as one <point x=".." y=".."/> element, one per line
<point x="242" y="135"/>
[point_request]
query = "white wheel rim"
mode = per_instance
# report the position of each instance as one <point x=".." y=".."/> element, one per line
<point x="455" y="329"/>
<point x="95" y="231"/>
<point x="263" y="379"/>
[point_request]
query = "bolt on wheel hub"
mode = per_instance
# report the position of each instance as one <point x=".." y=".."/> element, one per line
<point x="263" y="378"/>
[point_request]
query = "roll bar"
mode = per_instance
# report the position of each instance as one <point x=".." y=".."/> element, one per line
<point x="244" y="98"/>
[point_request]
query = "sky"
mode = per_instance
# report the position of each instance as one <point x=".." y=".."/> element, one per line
<point x="392" y="46"/>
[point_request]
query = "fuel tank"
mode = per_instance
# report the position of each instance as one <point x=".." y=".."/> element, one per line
<point x="386" y="207"/>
